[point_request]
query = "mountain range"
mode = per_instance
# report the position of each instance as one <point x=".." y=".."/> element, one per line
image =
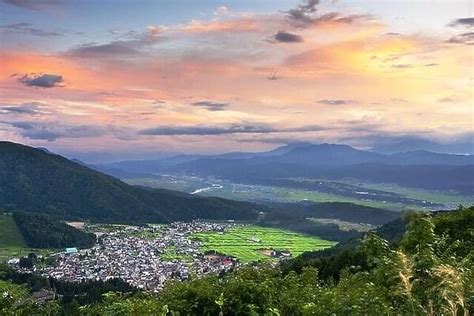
<point x="421" y="169"/>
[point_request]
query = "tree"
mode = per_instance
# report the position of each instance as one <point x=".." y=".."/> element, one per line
<point x="26" y="263"/>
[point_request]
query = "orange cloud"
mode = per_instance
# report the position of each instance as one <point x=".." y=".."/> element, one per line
<point x="231" y="26"/>
<point x="336" y="61"/>
<point x="75" y="75"/>
<point x="362" y="56"/>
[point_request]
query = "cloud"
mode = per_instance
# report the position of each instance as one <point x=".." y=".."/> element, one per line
<point x="303" y="13"/>
<point x="463" y="38"/>
<point x="211" y="105"/>
<point x="273" y="76"/>
<point x="54" y="130"/>
<point x="285" y="37"/>
<point x="446" y="100"/>
<point x="26" y="108"/>
<point x="218" y="26"/>
<point x="224" y="130"/>
<point x="339" y="18"/>
<point x="206" y="130"/>
<point x="349" y="56"/>
<point x="41" y="80"/>
<point x="27" y="28"/>
<point x="334" y="101"/>
<point x="133" y="46"/>
<point x="398" y="100"/>
<point x="469" y="22"/>
<point x="307" y="14"/>
<point x="29" y="108"/>
<point x="388" y="143"/>
<point x="222" y="10"/>
<point x="17" y="109"/>
<point x="402" y="66"/>
<point x="95" y="50"/>
<point x="37" y="5"/>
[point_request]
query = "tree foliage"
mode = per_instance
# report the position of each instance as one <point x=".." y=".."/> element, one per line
<point x="42" y="231"/>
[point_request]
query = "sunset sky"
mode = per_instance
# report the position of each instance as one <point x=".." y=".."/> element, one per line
<point x="138" y="77"/>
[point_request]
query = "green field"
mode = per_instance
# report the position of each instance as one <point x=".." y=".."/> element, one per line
<point x="259" y="192"/>
<point x="10" y="236"/>
<point x="12" y="244"/>
<point x="424" y="195"/>
<point x="238" y="242"/>
<point x="171" y="254"/>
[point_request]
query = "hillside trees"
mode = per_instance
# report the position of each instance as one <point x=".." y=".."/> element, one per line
<point x="42" y="231"/>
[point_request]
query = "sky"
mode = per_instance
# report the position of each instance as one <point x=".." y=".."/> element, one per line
<point x="131" y="79"/>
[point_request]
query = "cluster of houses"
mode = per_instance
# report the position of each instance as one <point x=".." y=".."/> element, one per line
<point x="145" y="257"/>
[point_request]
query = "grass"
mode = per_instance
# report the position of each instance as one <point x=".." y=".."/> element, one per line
<point x="17" y="252"/>
<point x="12" y="244"/>
<point x="171" y="254"/>
<point x="343" y="225"/>
<point x="10" y="236"/>
<point x="299" y="195"/>
<point x="237" y="242"/>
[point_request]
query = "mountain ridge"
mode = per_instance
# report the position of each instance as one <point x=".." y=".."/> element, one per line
<point x="36" y="181"/>
<point x="304" y="153"/>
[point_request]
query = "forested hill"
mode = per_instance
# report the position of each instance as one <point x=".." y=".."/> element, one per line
<point x="456" y="227"/>
<point x="37" y="181"/>
<point x="42" y="231"/>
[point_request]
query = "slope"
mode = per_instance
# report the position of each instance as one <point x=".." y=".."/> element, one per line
<point x="36" y="181"/>
<point x="10" y="235"/>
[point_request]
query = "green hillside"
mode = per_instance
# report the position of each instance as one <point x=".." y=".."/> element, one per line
<point x="10" y="235"/>
<point x="36" y="181"/>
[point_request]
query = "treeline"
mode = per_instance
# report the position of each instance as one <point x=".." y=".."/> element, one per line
<point x="343" y="211"/>
<point x="300" y="223"/>
<point x="43" y="231"/>
<point x="429" y="271"/>
<point x="347" y="254"/>
<point x="71" y="295"/>
<point x="297" y="217"/>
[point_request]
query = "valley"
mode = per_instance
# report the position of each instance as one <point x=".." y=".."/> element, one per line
<point x="388" y="196"/>
<point x="226" y="157"/>
<point x="95" y="238"/>
<point x="148" y="256"/>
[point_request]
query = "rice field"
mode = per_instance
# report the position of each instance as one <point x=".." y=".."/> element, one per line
<point x="248" y="243"/>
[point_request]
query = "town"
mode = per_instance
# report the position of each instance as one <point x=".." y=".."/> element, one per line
<point x="143" y="256"/>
